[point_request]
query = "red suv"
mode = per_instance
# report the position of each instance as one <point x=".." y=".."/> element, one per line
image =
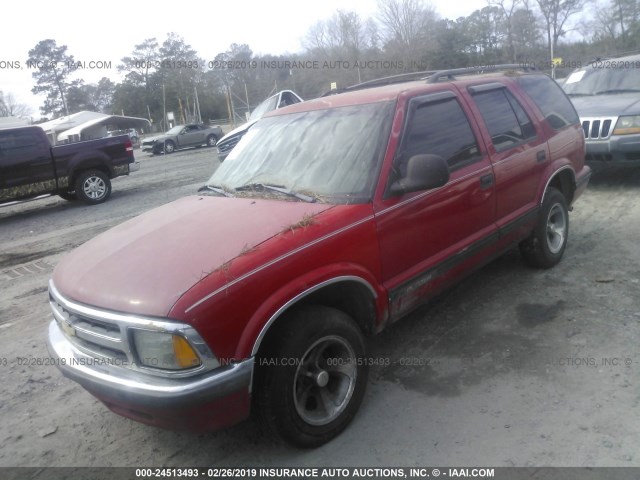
<point x="332" y="219"/>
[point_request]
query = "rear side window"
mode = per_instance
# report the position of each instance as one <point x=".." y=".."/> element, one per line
<point x="551" y="100"/>
<point x="443" y="129"/>
<point x="505" y="118"/>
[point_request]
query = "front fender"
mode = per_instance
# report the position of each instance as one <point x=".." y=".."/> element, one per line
<point x="297" y="290"/>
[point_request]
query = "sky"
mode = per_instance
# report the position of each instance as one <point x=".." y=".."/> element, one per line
<point x="107" y="31"/>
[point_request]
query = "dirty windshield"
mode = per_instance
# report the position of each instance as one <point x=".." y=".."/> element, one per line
<point x="265" y="107"/>
<point x="331" y="155"/>
<point x="594" y="80"/>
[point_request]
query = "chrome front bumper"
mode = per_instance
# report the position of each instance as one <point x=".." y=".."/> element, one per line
<point x="107" y="379"/>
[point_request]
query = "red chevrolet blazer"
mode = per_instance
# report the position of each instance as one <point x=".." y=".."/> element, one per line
<point x="331" y="219"/>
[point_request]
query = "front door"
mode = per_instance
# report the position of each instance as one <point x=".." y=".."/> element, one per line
<point x="428" y="238"/>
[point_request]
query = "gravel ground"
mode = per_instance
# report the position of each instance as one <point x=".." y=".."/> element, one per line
<point x="513" y="367"/>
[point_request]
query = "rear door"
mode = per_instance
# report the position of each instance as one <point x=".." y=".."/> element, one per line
<point x="26" y="166"/>
<point x="428" y="238"/>
<point x="518" y="152"/>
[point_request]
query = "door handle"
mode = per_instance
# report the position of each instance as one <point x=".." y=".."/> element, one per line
<point x="486" y="181"/>
<point x="541" y="156"/>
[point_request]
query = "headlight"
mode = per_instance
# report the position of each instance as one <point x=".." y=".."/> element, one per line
<point x="627" y="125"/>
<point x="164" y="350"/>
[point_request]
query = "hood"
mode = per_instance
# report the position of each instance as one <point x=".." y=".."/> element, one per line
<point x="152" y="139"/>
<point x="607" y="105"/>
<point x="238" y="130"/>
<point x="144" y="265"/>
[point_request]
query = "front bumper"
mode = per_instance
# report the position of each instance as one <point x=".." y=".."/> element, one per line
<point x="215" y="399"/>
<point x="617" y="149"/>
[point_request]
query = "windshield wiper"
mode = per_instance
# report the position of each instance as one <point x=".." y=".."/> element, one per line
<point x="276" y="188"/>
<point x="580" y="94"/>
<point x="618" y="90"/>
<point x="214" y="188"/>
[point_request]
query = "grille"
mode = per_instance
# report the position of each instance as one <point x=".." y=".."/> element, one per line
<point x="93" y="337"/>
<point x="228" y="145"/>
<point x="597" y="128"/>
<point x="106" y="336"/>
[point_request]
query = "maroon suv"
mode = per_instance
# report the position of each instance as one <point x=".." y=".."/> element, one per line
<point x="331" y="219"/>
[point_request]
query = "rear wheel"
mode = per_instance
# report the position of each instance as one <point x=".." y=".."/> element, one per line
<point x="546" y="244"/>
<point x="93" y="186"/>
<point x="212" y="140"/>
<point x="311" y="377"/>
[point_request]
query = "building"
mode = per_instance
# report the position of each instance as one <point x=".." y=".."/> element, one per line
<point x="90" y="125"/>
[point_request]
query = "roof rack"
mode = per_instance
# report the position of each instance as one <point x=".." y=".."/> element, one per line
<point x="379" y="82"/>
<point x="431" y="76"/>
<point x="449" y="74"/>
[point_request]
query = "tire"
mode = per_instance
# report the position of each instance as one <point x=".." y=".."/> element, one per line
<point x="93" y="187"/>
<point x="546" y="244"/>
<point x="168" y="147"/>
<point x="212" y="140"/>
<point x="68" y="196"/>
<point x="324" y="366"/>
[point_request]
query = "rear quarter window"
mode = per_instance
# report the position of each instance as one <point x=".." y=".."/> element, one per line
<point x="551" y="100"/>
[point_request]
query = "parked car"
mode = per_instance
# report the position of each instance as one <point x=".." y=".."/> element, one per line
<point x="606" y="94"/>
<point x="183" y="136"/>
<point x="336" y="217"/>
<point x="30" y="167"/>
<point x="279" y="100"/>
<point x="131" y="132"/>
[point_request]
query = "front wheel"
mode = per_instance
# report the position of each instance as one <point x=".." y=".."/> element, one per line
<point x="311" y="377"/>
<point x="168" y="147"/>
<point x="93" y="187"/>
<point x="546" y="244"/>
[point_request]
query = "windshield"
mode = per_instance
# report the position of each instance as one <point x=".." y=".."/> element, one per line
<point x="332" y="155"/>
<point x="175" y="130"/>
<point x="266" y="106"/>
<point x="594" y="81"/>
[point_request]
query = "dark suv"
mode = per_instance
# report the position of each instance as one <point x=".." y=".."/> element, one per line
<point x="606" y="94"/>
<point x="336" y="217"/>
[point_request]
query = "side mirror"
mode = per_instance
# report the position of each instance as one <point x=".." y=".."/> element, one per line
<point x="424" y="172"/>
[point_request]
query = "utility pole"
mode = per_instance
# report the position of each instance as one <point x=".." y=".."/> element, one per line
<point x="197" y="106"/>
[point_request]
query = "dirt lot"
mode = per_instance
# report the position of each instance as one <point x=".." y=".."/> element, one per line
<point x="513" y="367"/>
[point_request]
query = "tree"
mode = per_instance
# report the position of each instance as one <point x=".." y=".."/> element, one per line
<point x="10" y="108"/>
<point x="344" y="35"/>
<point x="555" y="14"/>
<point x="485" y="31"/>
<point x="409" y="27"/>
<point x="616" y="24"/>
<point x="142" y="63"/>
<point x="179" y="73"/>
<point x="526" y="33"/>
<point x="52" y="69"/>
<point x="508" y="9"/>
